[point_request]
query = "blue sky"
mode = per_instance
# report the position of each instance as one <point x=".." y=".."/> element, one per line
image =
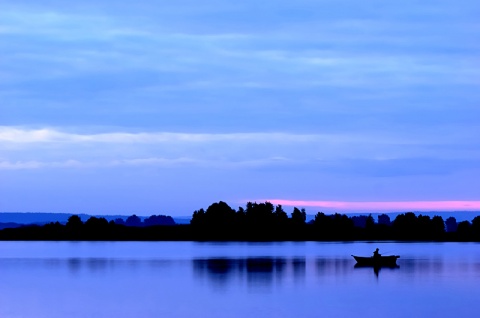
<point x="161" y="107"/>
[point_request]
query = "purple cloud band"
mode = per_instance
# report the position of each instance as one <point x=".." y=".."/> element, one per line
<point x="384" y="206"/>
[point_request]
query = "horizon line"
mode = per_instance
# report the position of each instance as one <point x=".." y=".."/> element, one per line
<point x="353" y="206"/>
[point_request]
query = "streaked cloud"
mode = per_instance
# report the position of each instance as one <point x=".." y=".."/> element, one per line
<point x="26" y="165"/>
<point x="138" y="162"/>
<point x="340" y="154"/>
<point x="12" y="134"/>
<point x="18" y="135"/>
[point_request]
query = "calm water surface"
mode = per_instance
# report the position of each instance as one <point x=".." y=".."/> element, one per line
<point x="188" y="279"/>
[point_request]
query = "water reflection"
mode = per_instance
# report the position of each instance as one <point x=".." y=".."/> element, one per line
<point x="78" y="265"/>
<point x="298" y="268"/>
<point x="93" y="265"/>
<point x="272" y="271"/>
<point x="335" y="266"/>
<point x="255" y="271"/>
<point x="268" y="271"/>
<point x="376" y="269"/>
<point x="307" y="281"/>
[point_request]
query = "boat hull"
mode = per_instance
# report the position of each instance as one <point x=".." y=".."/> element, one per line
<point x="376" y="261"/>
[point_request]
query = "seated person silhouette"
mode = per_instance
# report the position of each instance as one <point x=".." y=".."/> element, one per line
<point x="376" y="254"/>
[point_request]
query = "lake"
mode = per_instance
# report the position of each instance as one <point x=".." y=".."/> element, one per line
<point x="191" y="279"/>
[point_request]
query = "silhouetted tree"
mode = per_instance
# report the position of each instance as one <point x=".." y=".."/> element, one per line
<point x="464" y="230"/>
<point x="337" y="226"/>
<point x="133" y="220"/>
<point x="359" y="221"/>
<point x="158" y="220"/>
<point x="281" y="217"/>
<point x="451" y="224"/>
<point x="119" y="221"/>
<point x="342" y="226"/>
<point x="437" y="228"/>
<point x="259" y="214"/>
<point x="384" y="219"/>
<point x="370" y="222"/>
<point x="298" y="216"/>
<point x="95" y="228"/>
<point x="323" y="225"/>
<point x="240" y="217"/>
<point x="405" y="226"/>
<point x="476" y="228"/>
<point x="74" y="227"/>
<point x="96" y="223"/>
<point x="53" y="230"/>
<point x="219" y="214"/>
<point x="198" y="218"/>
<point x="74" y="222"/>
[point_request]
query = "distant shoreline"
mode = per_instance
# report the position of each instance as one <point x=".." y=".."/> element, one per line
<point x="120" y="233"/>
<point x="257" y="222"/>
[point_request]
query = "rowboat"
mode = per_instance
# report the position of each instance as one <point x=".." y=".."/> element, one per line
<point x="376" y="261"/>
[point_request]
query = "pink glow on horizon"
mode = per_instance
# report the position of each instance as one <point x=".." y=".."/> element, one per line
<point x="384" y="206"/>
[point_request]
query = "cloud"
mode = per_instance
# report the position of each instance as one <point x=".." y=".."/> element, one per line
<point x="7" y="165"/>
<point x="326" y="51"/>
<point x="48" y="135"/>
<point x="19" y="135"/>
<point x="10" y="134"/>
<point x="28" y="165"/>
<point x="353" y="154"/>
<point x="139" y="162"/>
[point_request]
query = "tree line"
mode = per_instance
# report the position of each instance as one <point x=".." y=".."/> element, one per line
<point x="264" y="221"/>
<point x="255" y="222"/>
<point x="98" y="228"/>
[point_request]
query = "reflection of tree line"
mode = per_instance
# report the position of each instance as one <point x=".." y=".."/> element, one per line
<point x="269" y="269"/>
<point x="256" y="270"/>
<point x="102" y="265"/>
<point x="255" y="222"/>
<point x="228" y="266"/>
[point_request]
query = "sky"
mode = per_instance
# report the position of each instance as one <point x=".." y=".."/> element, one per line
<point x="164" y="107"/>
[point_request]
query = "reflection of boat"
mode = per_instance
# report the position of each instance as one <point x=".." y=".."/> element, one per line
<point x="377" y="261"/>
